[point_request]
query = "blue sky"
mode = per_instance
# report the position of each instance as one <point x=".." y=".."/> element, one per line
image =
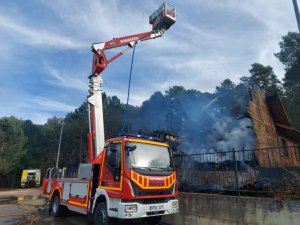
<point x="45" y="55"/>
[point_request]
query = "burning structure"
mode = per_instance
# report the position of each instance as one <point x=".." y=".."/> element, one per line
<point x="275" y="151"/>
<point x="274" y="132"/>
<point x="233" y="139"/>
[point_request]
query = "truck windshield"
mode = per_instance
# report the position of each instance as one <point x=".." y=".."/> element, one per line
<point x="147" y="156"/>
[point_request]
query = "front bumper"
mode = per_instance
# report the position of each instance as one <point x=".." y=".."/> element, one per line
<point x="147" y="210"/>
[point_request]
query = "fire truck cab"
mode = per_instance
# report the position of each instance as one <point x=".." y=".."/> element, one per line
<point x="31" y="178"/>
<point x="133" y="177"/>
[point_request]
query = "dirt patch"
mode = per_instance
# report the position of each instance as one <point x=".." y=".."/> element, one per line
<point x="20" y="192"/>
<point x="20" y="206"/>
<point x="26" y="206"/>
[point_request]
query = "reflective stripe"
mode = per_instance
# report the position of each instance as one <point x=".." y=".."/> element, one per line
<point x="139" y="180"/>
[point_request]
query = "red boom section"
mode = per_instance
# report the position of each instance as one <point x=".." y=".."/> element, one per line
<point x="117" y="42"/>
<point x="100" y="61"/>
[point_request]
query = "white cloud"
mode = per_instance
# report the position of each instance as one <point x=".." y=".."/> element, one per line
<point x="27" y="106"/>
<point x="277" y="18"/>
<point x="26" y="34"/>
<point x="66" y="80"/>
<point x="46" y="104"/>
<point x="99" y="21"/>
<point x="38" y="117"/>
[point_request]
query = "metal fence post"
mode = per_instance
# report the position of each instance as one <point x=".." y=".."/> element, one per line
<point x="235" y="171"/>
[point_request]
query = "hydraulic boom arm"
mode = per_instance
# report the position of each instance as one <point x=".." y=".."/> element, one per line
<point x="162" y="19"/>
<point x="100" y="61"/>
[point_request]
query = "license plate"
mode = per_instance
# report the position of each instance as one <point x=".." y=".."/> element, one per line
<point x="156" y="207"/>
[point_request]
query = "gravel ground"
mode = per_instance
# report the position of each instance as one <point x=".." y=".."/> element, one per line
<point x="25" y="206"/>
<point x="20" y="206"/>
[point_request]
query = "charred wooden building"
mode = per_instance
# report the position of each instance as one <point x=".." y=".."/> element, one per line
<point x="277" y="141"/>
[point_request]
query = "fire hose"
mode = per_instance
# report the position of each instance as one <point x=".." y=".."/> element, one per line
<point x="125" y="115"/>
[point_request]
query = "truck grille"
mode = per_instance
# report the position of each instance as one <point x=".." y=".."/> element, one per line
<point x="148" y="201"/>
<point x="139" y="192"/>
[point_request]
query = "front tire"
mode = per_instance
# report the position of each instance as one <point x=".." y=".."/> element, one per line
<point x="100" y="214"/>
<point x="57" y="209"/>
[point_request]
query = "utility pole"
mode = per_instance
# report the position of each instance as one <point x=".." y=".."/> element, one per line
<point x="58" y="150"/>
<point x="297" y="13"/>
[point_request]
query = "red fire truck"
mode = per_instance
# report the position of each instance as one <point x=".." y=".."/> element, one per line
<point x="127" y="177"/>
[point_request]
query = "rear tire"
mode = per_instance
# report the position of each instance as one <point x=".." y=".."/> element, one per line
<point x="100" y="216"/>
<point x="153" y="220"/>
<point x="57" y="209"/>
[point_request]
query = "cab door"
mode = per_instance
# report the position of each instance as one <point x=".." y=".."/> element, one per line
<point x="111" y="173"/>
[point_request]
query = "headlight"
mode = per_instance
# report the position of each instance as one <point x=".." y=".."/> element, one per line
<point x="175" y="204"/>
<point x="130" y="208"/>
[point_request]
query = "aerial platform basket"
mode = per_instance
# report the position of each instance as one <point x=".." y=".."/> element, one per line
<point x="164" y="17"/>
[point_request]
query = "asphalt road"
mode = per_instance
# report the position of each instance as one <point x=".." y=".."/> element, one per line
<point x="25" y="206"/>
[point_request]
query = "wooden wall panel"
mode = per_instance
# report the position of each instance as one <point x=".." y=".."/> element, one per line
<point x="264" y="128"/>
<point x="267" y="136"/>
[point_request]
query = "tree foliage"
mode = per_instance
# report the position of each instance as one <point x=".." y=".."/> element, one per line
<point x="289" y="55"/>
<point x="265" y="77"/>
<point x="12" y="142"/>
<point x="233" y="97"/>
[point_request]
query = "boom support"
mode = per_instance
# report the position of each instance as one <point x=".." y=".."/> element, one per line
<point x="161" y="20"/>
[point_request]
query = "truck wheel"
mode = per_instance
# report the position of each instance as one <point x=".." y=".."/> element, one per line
<point x="100" y="214"/>
<point x="154" y="220"/>
<point x="57" y="209"/>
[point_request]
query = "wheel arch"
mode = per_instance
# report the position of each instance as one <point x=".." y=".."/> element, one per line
<point x="51" y="197"/>
<point x="55" y="192"/>
<point x="101" y="196"/>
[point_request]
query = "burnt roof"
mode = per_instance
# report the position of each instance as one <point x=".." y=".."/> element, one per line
<point x="280" y="118"/>
<point x="292" y="133"/>
<point x="277" y="110"/>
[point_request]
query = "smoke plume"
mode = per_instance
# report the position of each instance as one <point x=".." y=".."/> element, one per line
<point x="206" y="122"/>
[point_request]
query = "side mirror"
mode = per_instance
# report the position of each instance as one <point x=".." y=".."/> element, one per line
<point x="130" y="148"/>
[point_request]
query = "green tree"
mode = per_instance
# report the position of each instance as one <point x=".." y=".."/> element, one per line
<point x="265" y="77"/>
<point x="233" y="98"/>
<point x="289" y="55"/>
<point x="34" y="145"/>
<point x="49" y="142"/>
<point x="226" y="85"/>
<point x="113" y="112"/>
<point x="289" y="52"/>
<point x="12" y="141"/>
<point x="152" y="113"/>
<point x="74" y="138"/>
<point x="175" y="90"/>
